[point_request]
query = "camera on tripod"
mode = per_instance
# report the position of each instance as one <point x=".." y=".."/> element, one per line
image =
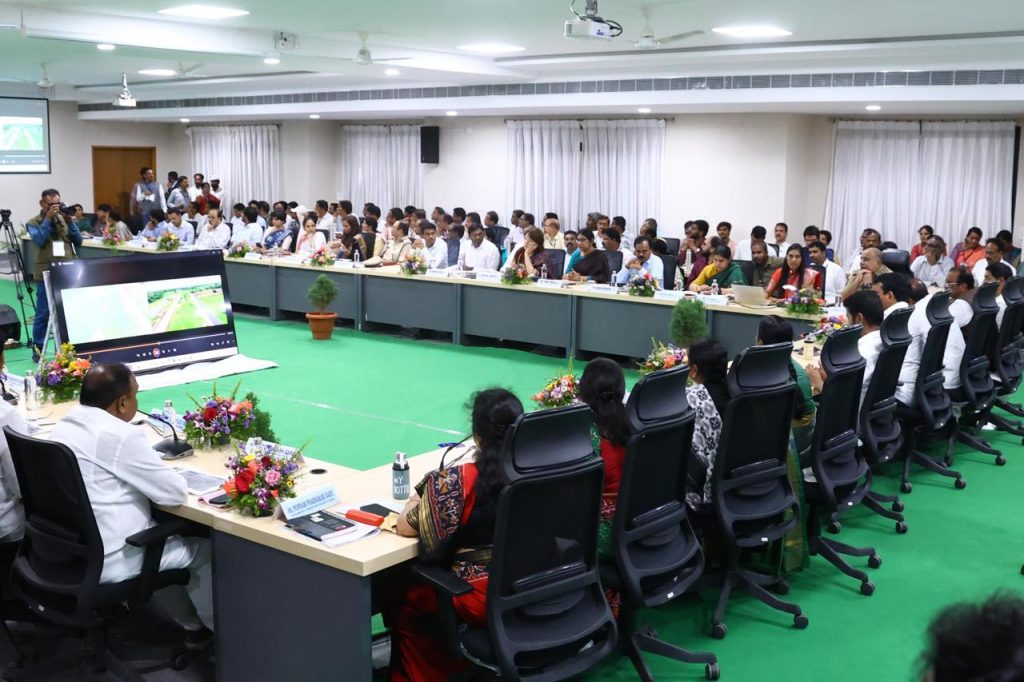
<point x="5" y="214"/>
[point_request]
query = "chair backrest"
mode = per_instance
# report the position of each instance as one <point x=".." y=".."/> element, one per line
<point x="671" y="267"/>
<point x="747" y="268"/>
<point x="975" y="378"/>
<point x="1005" y="350"/>
<point x="837" y="464"/>
<point x="556" y="262"/>
<point x="822" y="270"/>
<point x="548" y="440"/>
<point x="752" y="494"/>
<point x="453" y="251"/>
<point x="544" y="597"/>
<point x="673" y="245"/>
<point x="614" y="259"/>
<point x="658" y="397"/>
<point x="879" y="430"/>
<point x="932" y="399"/>
<point x="896" y="260"/>
<point x="58" y="566"/>
<point x="497" y="235"/>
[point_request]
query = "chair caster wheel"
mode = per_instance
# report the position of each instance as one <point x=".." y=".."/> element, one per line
<point x="835" y="527"/>
<point x="711" y="671"/>
<point x="800" y="621"/>
<point x="1000" y="460"/>
<point x="960" y="484"/>
<point x="781" y="588"/>
<point x="867" y="588"/>
<point x="180" y="662"/>
<point x="874" y="561"/>
<point x="901" y="527"/>
<point x="906" y="487"/>
<point x="898" y="506"/>
<point x="719" y="630"/>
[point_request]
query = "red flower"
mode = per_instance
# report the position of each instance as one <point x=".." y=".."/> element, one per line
<point x="209" y="414"/>
<point x="254" y="467"/>
<point x="267" y="463"/>
<point x="243" y="480"/>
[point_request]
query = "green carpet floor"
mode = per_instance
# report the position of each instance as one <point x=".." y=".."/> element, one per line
<point x="360" y="397"/>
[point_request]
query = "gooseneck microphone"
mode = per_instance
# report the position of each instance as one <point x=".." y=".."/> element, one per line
<point x="173" y="447"/>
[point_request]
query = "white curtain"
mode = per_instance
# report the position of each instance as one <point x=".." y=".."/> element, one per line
<point x="381" y="164"/>
<point x="896" y="176"/>
<point x="246" y="159"/>
<point x="545" y="166"/>
<point x="622" y="169"/>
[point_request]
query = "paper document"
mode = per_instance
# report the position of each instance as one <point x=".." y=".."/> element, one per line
<point x="200" y="482"/>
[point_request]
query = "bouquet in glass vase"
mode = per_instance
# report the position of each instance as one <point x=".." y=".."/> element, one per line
<point x="559" y="391"/>
<point x="806" y="301"/>
<point x="642" y="285"/>
<point x="61" y="379"/>
<point x="322" y="258"/>
<point x="414" y="263"/>
<point x="262" y="475"/>
<point x="239" y="250"/>
<point x="662" y="356"/>
<point x="168" y="241"/>
<point x="217" y="419"/>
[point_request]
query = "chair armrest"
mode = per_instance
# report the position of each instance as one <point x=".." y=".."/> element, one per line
<point x="152" y="541"/>
<point x="159" y="532"/>
<point x="444" y="581"/>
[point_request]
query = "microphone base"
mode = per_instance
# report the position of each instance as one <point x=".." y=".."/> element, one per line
<point x="172" y="449"/>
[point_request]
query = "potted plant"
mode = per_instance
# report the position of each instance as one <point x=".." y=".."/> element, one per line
<point x="321" y="294"/>
<point x="689" y="322"/>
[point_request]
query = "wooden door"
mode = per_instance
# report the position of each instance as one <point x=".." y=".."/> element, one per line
<point x="115" y="170"/>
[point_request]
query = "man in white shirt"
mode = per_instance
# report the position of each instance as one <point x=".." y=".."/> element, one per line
<point x="781" y="244"/>
<point x="931" y="267"/>
<point x="960" y="283"/>
<point x="893" y="291"/>
<point x="194" y="217"/>
<point x="919" y="326"/>
<point x="864" y="308"/>
<point x="994" y="253"/>
<point x="869" y="239"/>
<point x="147" y="195"/>
<point x="185" y="232"/>
<point x="178" y="196"/>
<point x="124" y="476"/>
<point x="612" y="241"/>
<point x="434" y="250"/>
<point x="553" y="238"/>
<point x="217" y="190"/>
<point x="324" y="220"/>
<point x="12" y="516"/>
<point x="196" y="189"/>
<point x="999" y="273"/>
<point x="743" y="248"/>
<point x="619" y="223"/>
<point x="479" y="253"/>
<point x="250" y="233"/>
<point x="216" y="234"/>
<point x="643" y="260"/>
<point x="835" y="276"/>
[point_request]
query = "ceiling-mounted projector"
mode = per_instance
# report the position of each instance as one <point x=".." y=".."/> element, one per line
<point x="125" y="99"/>
<point x="589" y="25"/>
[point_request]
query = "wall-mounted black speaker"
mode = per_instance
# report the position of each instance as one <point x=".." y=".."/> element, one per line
<point x="430" y="144"/>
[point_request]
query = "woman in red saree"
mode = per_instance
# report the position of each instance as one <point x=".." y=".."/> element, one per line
<point x="792" y="273"/>
<point x="452" y="513"/>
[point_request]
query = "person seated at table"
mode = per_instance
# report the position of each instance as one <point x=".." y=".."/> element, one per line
<point x="924" y="233"/>
<point x="156" y="226"/>
<point x="995" y="252"/>
<point x="835" y="276"/>
<point x="216" y="234"/>
<point x="644" y="261"/>
<point x="452" y="512"/>
<point x="530" y="255"/>
<point x="969" y="251"/>
<point x="611" y="240"/>
<point x="181" y="228"/>
<point x="708" y="395"/>
<point x="649" y="229"/>
<point x="592" y="264"/>
<point x="1012" y="255"/>
<point x="276" y="234"/>
<point x="107" y="218"/>
<point x="310" y="239"/>
<point x="350" y="241"/>
<point x="999" y="273"/>
<point x="931" y="267"/>
<point x="960" y="283"/>
<point x="397" y="248"/>
<point x="572" y="250"/>
<point x="435" y="250"/>
<point x="774" y="329"/>
<point x="721" y="271"/>
<point x="792" y="273"/>
<point x="553" y="238"/>
<point x="764" y="265"/>
<point x="863" y="307"/>
<point x="250" y="231"/>
<point x="871" y="267"/>
<point x="477" y="252"/>
<point x="603" y="387"/>
<point x="12" y="515"/>
<point x="124" y="476"/>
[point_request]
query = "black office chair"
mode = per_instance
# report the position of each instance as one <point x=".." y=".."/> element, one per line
<point x="977" y="392"/>
<point x="747" y="268"/>
<point x="453" y="251"/>
<point x="673" y="245"/>
<point x="614" y="259"/>
<point x="657" y="556"/>
<point x="933" y="411"/>
<point x="497" y="235"/>
<point x="1006" y="358"/>
<point x="842" y="478"/>
<point x="671" y="267"/>
<point x="897" y="260"/>
<point x="56" y="572"/>
<point x="547" y="616"/>
<point x="752" y="495"/>
<point x="822" y="270"/>
<point x="880" y="433"/>
<point x="556" y="262"/>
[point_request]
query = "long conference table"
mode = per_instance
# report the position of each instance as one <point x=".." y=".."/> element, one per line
<point x="574" y="317"/>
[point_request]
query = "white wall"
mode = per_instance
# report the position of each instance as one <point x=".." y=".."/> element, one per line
<point x="309" y="161"/>
<point x="71" y="142"/>
<point x="473" y="172"/>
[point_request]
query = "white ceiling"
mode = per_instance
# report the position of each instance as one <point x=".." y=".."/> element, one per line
<point x="828" y="36"/>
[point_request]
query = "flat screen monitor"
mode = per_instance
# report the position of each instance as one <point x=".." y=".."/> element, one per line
<point x="150" y="312"/>
<point x="24" y="135"/>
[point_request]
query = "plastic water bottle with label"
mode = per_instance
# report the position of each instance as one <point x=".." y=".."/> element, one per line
<point x="714" y="288"/>
<point x="400" y="477"/>
<point x="544" y="271"/>
<point x="356" y="258"/>
<point x="29" y="391"/>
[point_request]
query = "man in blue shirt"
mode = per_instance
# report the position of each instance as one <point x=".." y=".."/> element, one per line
<point x="56" y="237"/>
<point x="643" y="261"/>
<point x="156" y="226"/>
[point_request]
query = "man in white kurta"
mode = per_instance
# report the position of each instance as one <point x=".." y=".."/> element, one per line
<point x="12" y="517"/>
<point x="124" y="476"/>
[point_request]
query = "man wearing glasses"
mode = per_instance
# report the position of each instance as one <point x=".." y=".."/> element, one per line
<point x="932" y="267"/>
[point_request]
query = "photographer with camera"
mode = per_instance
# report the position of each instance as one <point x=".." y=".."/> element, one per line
<point x="56" y="237"/>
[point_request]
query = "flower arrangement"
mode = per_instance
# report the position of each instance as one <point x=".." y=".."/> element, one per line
<point x="61" y="380"/>
<point x="414" y="263"/>
<point x="217" y="419"/>
<point x="261" y="476"/>
<point x="168" y="241"/>
<point x="111" y="237"/>
<point x="322" y="258"/>
<point x="662" y="356"/>
<point x="807" y="301"/>
<point x="516" y="274"/>
<point x="642" y="285"/>
<point x="239" y="250"/>
<point x="559" y="391"/>
<point x="827" y="325"/>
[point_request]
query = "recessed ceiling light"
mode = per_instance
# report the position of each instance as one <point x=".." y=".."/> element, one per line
<point x="185" y="120"/>
<point x="106" y="47"/>
<point x="271" y="61"/>
<point x="644" y="110"/>
<point x="752" y="31"/>
<point x="158" y="72"/>
<point x="204" y="12"/>
<point x="391" y="72"/>
<point x="490" y="48"/>
<point x="451" y="113"/>
<point x="873" y="107"/>
<point x="314" y="116"/>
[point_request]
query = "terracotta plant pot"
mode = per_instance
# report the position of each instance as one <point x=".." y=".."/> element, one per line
<point x="321" y="324"/>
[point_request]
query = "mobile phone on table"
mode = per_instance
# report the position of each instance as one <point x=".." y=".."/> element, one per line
<point x="378" y="509"/>
<point x="219" y="501"/>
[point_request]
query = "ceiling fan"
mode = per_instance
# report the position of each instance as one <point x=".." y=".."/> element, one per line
<point x="364" y="57"/>
<point x="43" y="83"/>
<point x="648" y="41"/>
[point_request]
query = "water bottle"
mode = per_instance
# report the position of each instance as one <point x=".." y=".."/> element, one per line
<point x="356" y="258"/>
<point x="544" y="271"/>
<point x="400" y="477"/>
<point x="687" y="262"/>
<point x="615" y="278"/>
<point x="170" y="414"/>
<point x="678" y="286"/>
<point x="29" y="392"/>
<point x="714" y="287"/>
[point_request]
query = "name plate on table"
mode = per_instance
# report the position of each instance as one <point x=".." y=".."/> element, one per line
<point x="96" y="240"/>
<point x="603" y="289"/>
<point x="488" y="276"/>
<point x="315" y="500"/>
<point x="344" y="264"/>
<point x="714" y="300"/>
<point x="148" y="245"/>
<point x="252" y="256"/>
<point x="550" y="283"/>
<point x="437" y="272"/>
<point x="290" y="259"/>
<point x="667" y="295"/>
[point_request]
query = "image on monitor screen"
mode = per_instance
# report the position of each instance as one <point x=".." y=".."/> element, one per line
<point x="24" y="135"/>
